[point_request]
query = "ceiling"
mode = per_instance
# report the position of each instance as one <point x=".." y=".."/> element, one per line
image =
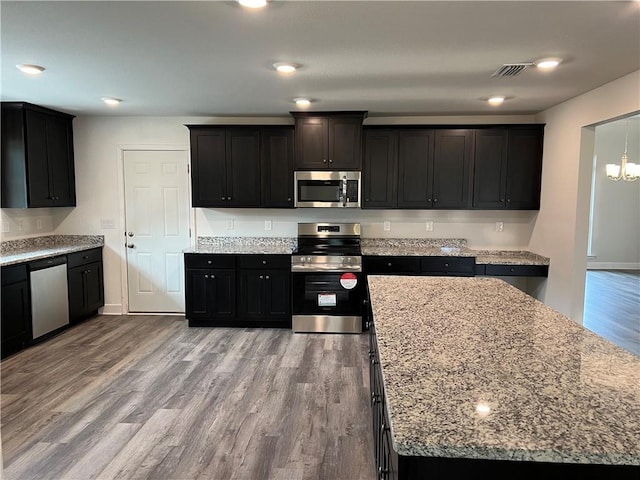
<point x="214" y="58"/>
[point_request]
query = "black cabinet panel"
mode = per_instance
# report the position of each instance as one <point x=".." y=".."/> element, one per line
<point x="490" y="175"/>
<point x="85" y="281"/>
<point x="452" y="169"/>
<point x="373" y="265"/>
<point x="208" y="167"/>
<point x="415" y="168"/>
<point x="37" y="157"/>
<point x="380" y="169"/>
<point x="243" y="168"/>
<point x="238" y="290"/>
<point x="328" y="140"/>
<point x="516" y="270"/>
<point x="277" y="167"/>
<point x="456" y="266"/>
<point x="16" y="310"/>
<point x="524" y="168"/>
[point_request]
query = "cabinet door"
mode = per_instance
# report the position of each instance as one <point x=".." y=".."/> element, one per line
<point x="379" y="169"/>
<point x="16" y="317"/>
<point x="39" y="186"/>
<point x="60" y="158"/>
<point x="415" y="168"/>
<point x="524" y="168"/>
<point x="223" y="293"/>
<point x="311" y="147"/>
<point x="251" y="294"/>
<point x="277" y="294"/>
<point x="277" y="168"/>
<point x="197" y="294"/>
<point x="345" y="143"/>
<point x="243" y="168"/>
<point x="76" y="287"/>
<point x="93" y="287"/>
<point x="490" y="172"/>
<point x="208" y="168"/>
<point x="452" y="169"/>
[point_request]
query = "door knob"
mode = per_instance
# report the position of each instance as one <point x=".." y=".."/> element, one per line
<point x="130" y="245"/>
<point x="130" y="234"/>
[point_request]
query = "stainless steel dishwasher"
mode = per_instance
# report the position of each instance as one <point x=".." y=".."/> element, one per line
<point x="49" y="296"/>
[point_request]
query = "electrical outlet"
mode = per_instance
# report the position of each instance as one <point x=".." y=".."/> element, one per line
<point x="267" y="225"/>
<point x="499" y="226"/>
<point x="107" y="223"/>
<point x="6" y="227"/>
<point x="386" y="226"/>
<point x="229" y="224"/>
<point x="20" y="225"/>
<point x="429" y="226"/>
<point x="38" y="224"/>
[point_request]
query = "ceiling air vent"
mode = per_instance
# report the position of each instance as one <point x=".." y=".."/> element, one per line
<point x="511" y="69"/>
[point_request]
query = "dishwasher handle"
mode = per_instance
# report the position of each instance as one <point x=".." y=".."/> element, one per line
<point x="47" y="263"/>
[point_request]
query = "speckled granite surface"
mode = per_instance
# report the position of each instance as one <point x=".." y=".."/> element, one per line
<point x="36" y="248"/>
<point x="244" y="245"/>
<point x="455" y="247"/>
<point x="475" y="368"/>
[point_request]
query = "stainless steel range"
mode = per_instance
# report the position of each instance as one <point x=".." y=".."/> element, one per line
<point x="327" y="281"/>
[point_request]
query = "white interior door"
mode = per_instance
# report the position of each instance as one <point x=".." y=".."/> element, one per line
<point x="157" y="228"/>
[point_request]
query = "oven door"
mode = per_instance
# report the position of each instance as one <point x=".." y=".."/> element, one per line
<point x="327" y="301"/>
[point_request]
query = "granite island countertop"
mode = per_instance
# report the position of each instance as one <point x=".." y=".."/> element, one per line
<point x="36" y="248"/>
<point x="475" y="368"/>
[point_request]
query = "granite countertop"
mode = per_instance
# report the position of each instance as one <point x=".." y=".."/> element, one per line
<point x="475" y="368"/>
<point x="448" y="247"/>
<point x="244" y="245"/>
<point x="36" y="248"/>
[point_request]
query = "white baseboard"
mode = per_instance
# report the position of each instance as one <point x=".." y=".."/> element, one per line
<point x="112" y="309"/>
<point x="613" y="266"/>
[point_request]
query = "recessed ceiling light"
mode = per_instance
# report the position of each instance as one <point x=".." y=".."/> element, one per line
<point x="111" y="101"/>
<point x="253" y="3"/>
<point x="30" y="69"/>
<point x="286" y="67"/>
<point x="496" y="100"/>
<point x="548" y="63"/>
<point x="302" y="102"/>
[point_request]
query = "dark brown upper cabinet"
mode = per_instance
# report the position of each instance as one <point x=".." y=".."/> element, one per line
<point x="37" y="157"/>
<point x="225" y="166"/>
<point x="380" y="168"/>
<point x="415" y="168"/>
<point x="277" y="167"/>
<point x="328" y="140"/>
<point x="508" y="167"/>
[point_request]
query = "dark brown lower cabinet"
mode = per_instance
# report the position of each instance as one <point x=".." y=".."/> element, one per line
<point x="16" y="309"/>
<point x="238" y="290"/>
<point x="86" y="284"/>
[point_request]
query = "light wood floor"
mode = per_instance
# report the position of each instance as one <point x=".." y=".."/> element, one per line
<point x="146" y="397"/>
<point x="612" y="306"/>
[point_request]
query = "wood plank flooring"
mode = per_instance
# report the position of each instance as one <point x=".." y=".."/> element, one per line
<point x="612" y="306"/>
<point x="147" y="397"/>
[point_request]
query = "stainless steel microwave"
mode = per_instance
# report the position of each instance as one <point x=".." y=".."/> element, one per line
<point x="327" y="189"/>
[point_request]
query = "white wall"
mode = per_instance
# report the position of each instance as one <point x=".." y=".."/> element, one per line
<point x="615" y="237"/>
<point x="561" y="228"/>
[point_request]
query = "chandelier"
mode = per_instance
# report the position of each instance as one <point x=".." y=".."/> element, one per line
<point x="626" y="170"/>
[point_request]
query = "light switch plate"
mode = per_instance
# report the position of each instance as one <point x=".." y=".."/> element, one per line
<point x="386" y="226"/>
<point x="267" y="225"/>
<point x="229" y="224"/>
<point x="429" y="226"/>
<point x="6" y="227"/>
<point x="107" y="223"/>
<point x="499" y="226"/>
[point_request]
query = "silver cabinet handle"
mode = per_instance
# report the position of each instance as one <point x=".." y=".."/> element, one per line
<point x="261" y="277"/>
<point x="267" y="277"/>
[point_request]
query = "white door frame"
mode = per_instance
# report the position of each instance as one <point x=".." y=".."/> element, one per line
<point x="124" y="282"/>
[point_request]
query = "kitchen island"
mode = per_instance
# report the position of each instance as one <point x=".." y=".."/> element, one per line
<point x="473" y="376"/>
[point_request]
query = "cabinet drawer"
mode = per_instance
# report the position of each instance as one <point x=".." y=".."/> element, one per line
<point x="448" y="265"/>
<point x="517" y="270"/>
<point x="84" y="257"/>
<point x="13" y="273"/>
<point x="375" y="265"/>
<point x="198" y="260"/>
<point x="265" y="261"/>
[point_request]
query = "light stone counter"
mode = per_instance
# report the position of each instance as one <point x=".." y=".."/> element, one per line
<point x="37" y="248"/>
<point x="244" y="245"/>
<point x="456" y="247"/>
<point x="474" y="368"/>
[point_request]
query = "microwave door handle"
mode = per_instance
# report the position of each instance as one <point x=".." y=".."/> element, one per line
<point x="344" y="191"/>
